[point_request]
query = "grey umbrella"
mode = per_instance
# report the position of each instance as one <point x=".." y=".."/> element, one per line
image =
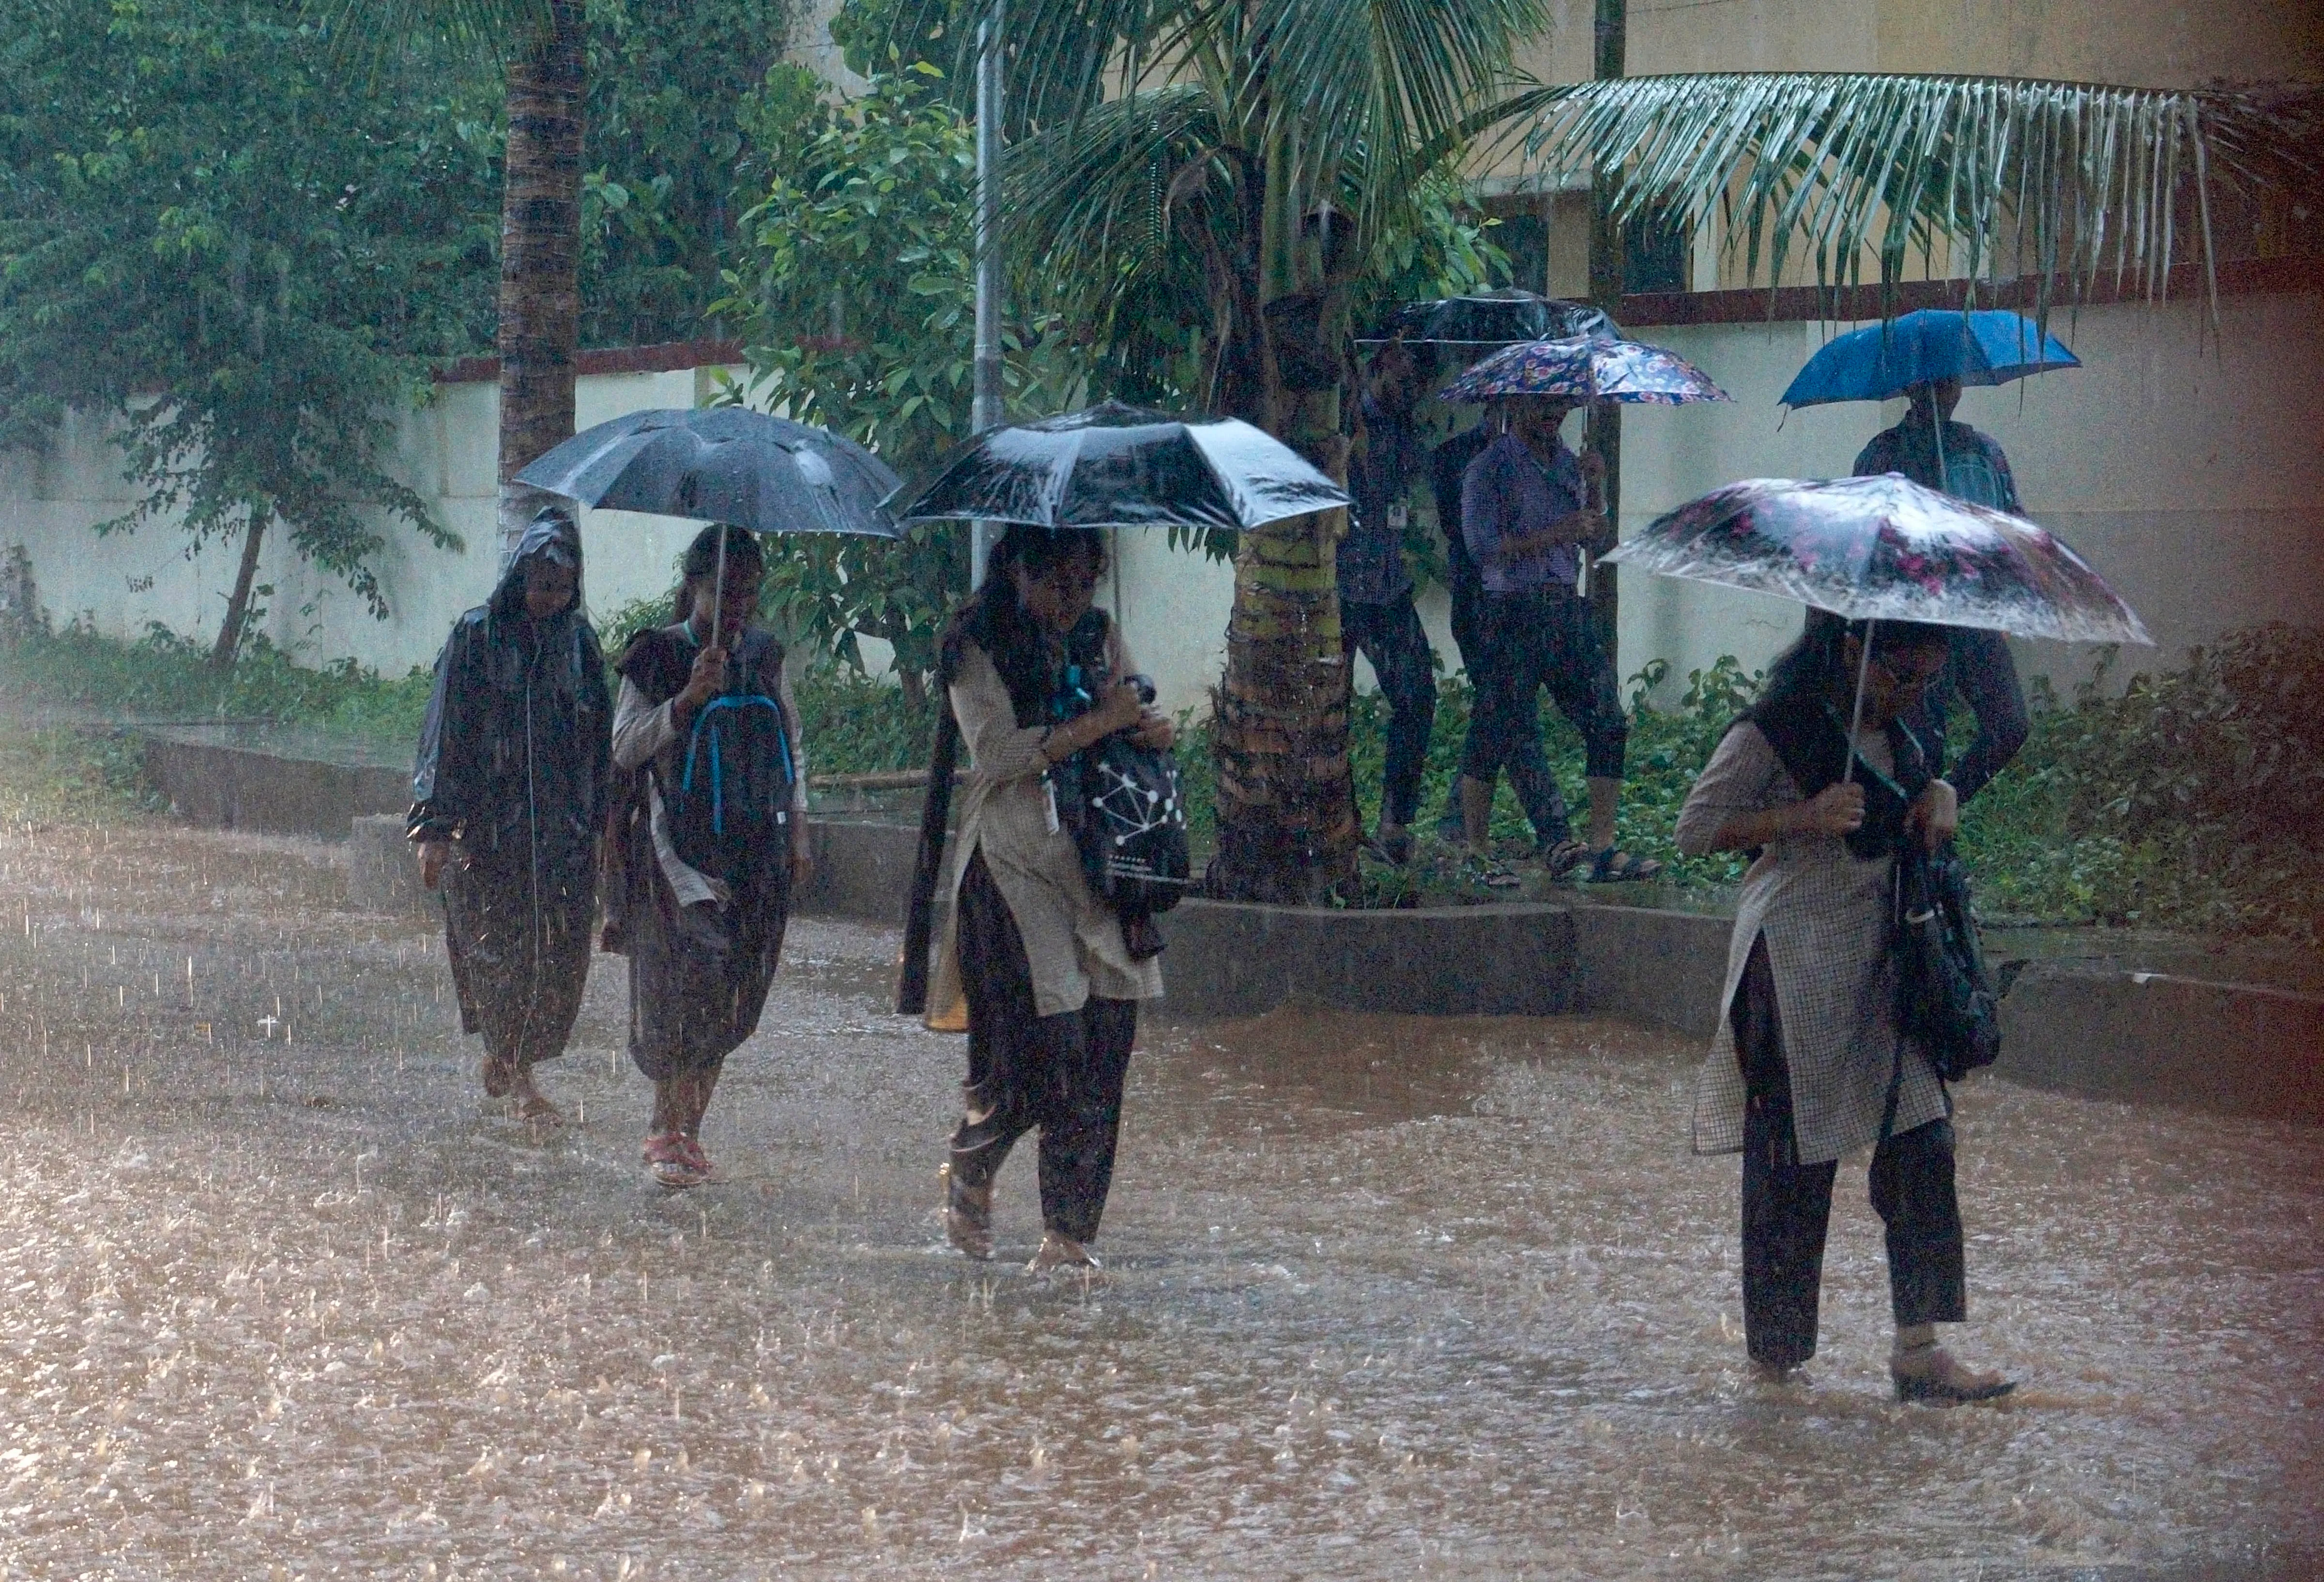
<point x="723" y="464"/>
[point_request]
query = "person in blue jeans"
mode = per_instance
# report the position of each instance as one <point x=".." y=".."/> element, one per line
<point x="1937" y="453"/>
<point x="1377" y="618"/>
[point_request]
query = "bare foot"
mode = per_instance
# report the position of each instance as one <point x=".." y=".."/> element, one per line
<point x="498" y="1078"/>
<point x="527" y="1103"/>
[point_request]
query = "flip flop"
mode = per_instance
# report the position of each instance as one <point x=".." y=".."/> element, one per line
<point x="1604" y="869"/>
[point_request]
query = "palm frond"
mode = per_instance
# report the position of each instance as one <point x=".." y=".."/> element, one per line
<point x="2070" y="182"/>
<point x="364" y="32"/>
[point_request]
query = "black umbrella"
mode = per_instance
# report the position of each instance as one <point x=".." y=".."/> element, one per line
<point x="723" y="464"/>
<point x="1121" y="466"/>
<point x="1497" y="319"/>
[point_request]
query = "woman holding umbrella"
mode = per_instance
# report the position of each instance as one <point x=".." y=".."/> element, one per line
<point x="711" y="836"/>
<point x="1824" y="782"/>
<point x="1815" y="1065"/>
<point x="1051" y="979"/>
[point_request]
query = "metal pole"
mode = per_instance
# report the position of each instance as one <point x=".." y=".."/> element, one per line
<point x="1611" y="33"/>
<point x="985" y="407"/>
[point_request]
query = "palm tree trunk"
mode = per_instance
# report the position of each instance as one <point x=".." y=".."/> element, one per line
<point x="1286" y="809"/>
<point x="540" y="257"/>
<point x="1286" y="813"/>
<point x="237" y="603"/>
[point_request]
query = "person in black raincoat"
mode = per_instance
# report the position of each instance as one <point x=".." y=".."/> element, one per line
<point x="508" y="796"/>
<point x="709" y="836"/>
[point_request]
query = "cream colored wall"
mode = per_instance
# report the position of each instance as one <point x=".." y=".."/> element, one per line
<point x="2145" y="43"/>
<point x="2186" y="469"/>
<point x="445" y="450"/>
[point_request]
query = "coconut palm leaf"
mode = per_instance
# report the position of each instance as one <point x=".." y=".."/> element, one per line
<point x="2070" y="182"/>
<point x="364" y="31"/>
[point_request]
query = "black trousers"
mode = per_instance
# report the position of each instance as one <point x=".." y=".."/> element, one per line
<point x="1546" y="637"/>
<point x="1528" y="766"/>
<point x="1391" y="636"/>
<point x="1787" y="1205"/>
<point x="1062" y="1074"/>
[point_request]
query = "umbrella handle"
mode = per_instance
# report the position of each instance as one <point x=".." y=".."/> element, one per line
<point x="1855" y="719"/>
<point x="718" y="590"/>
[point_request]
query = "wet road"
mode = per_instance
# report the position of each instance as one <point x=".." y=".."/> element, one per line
<point x="1385" y="1298"/>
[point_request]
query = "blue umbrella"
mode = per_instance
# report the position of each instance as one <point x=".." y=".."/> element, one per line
<point x="1989" y="346"/>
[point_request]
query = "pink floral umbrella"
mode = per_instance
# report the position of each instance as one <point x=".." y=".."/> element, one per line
<point x="1884" y="548"/>
<point x="1587" y="368"/>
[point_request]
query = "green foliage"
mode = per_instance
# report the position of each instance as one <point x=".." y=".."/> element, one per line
<point x="163" y="675"/>
<point x="211" y="242"/>
<point x="666" y="159"/>
<point x="855" y="725"/>
<point x="2189" y="802"/>
<point x="857" y="305"/>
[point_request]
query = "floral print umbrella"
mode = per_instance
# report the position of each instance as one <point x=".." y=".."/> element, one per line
<point x="1884" y="548"/>
<point x="1587" y="369"/>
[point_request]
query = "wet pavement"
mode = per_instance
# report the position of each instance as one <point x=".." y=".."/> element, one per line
<point x="1385" y="1298"/>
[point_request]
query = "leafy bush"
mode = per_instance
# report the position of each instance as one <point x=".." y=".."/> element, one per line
<point x="2195" y="800"/>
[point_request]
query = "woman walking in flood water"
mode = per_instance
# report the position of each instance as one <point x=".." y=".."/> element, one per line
<point x="508" y="796"/>
<point x="1809" y="1063"/>
<point x="711" y="834"/>
<point x="1033" y="676"/>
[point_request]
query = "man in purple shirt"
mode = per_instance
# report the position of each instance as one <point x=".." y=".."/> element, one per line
<point x="1528" y="505"/>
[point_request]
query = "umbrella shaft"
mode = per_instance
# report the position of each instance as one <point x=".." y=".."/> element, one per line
<point x="1856" y="717"/>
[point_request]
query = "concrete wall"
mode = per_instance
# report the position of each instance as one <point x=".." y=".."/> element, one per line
<point x="2184" y="464"/>
<point x="121" y="583"/>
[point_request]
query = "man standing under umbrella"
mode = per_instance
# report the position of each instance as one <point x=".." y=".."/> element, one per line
<point x="1527" y="505"/>
<point x="1377" y="616"/>
<point x="1937" y="453"/>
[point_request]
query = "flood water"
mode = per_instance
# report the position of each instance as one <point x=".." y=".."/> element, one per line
<point x="1385" y="1298"/>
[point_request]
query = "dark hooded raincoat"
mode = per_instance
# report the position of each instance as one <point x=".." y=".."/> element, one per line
<point x="512" y="767"/>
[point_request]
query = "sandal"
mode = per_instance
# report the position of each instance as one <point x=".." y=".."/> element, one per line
<point x="671" y="1163"/>
<point x="1563" y="857"/>
<point x="967" y="1214"/>
<point x="1615" y="866"/>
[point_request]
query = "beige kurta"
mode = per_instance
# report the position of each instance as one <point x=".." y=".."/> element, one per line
<point x="1825" y="916"/>
<point x="1072" y="941"/>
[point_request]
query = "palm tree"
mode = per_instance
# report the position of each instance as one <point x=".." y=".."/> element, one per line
<point x="1256" y="155"/>
<point x="540" y="45"/>
<point x="1253" y="157"/>
<point x="2074" y="184"/>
